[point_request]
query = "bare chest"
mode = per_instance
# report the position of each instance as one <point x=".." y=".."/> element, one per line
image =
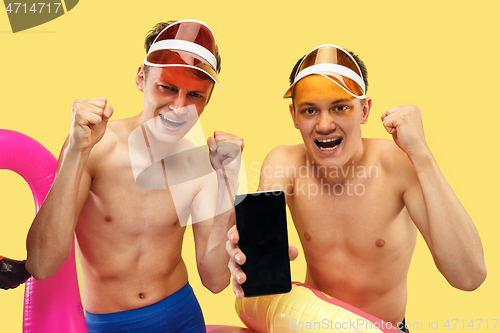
<point x="135" y="204"/>
<point x="358" y="218"/>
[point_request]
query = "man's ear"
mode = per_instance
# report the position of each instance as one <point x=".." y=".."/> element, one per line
<point x="366" y="110"/>
<point x="140" y="79"/>
<point x="292" y="113"/>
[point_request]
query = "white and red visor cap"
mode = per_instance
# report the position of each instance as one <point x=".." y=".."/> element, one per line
<point x="185" y="43"/>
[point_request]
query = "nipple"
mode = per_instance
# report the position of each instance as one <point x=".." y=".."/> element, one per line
<point x="380" y="242"/>
<point x="307" y="236"/>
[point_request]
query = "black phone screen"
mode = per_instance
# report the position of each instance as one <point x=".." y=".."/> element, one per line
<point x="262" y="226"/>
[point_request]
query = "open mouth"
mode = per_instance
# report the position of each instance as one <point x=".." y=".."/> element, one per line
<point x="170" y="122"/>
<point x="328" y="144"/>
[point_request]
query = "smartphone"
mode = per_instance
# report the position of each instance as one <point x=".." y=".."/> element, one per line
<point x="261" y="224"/>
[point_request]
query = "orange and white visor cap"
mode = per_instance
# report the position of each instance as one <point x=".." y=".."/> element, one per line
<point x="185" y="43"/>
<point x="334" y="63"/>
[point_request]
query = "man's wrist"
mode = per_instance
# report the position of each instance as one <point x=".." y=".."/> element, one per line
<point x="76" y="156"/>
<point x="74" y="150"/>
<point x="422" y="160"/>
<point x="225" y="181"/>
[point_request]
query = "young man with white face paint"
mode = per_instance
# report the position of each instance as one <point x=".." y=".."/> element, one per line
<point x="359" y="206"/>
<point x="129" y="235"/>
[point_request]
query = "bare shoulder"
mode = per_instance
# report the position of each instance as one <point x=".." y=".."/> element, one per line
<point x="277" y="171"/>
<point x="107" y="146"/>
<point x="286" y="156"/>
<point x="192" y="157"/>
<point x="390" y="158"/>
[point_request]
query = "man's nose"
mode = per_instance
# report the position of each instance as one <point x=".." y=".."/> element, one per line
<point x="178" y="105"/>
<point x="325" y="123"/>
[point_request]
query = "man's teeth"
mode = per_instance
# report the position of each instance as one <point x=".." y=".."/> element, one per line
<point x="331" y="148"/>
<point x="171" y="121"/>
<point x="328" y="144"/>
<point x="328" y="140"/>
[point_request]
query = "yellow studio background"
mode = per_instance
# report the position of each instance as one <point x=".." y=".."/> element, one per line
<point x="441" y="56"/>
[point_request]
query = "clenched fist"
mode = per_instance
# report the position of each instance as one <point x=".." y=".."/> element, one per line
<point x="89" y="118"/>
<point x="226" y="148"/>
<point x="405" y="125"/>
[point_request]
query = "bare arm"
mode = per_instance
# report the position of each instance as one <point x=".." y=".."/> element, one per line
<point x="210" y="235"/>
<point x="50" y="236"/>
<point x="444" y="223"/>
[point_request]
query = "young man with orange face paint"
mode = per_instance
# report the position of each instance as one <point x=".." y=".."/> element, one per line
<point x="357" y="203"/>
<point x="130" y="234"/>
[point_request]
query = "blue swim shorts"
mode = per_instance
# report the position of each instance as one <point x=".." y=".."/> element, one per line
<point x="179" y="312"/>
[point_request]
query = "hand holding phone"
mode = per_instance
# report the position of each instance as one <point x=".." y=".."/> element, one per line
<point x="262" y="228"/>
